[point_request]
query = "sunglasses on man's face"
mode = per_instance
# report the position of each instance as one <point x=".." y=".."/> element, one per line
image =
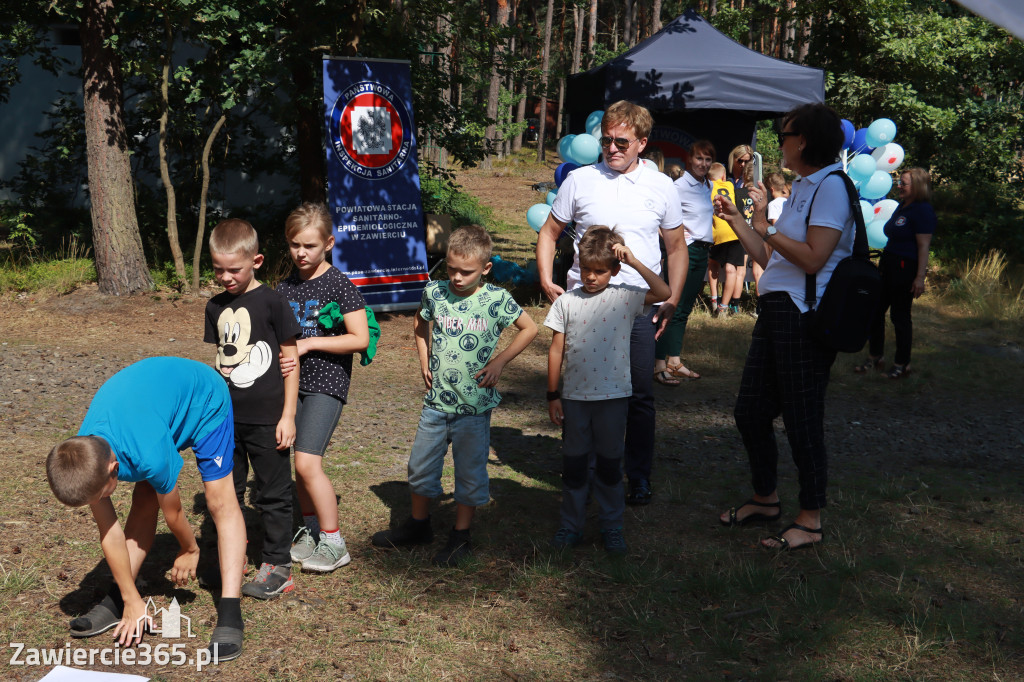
<point x="621" y="143"/>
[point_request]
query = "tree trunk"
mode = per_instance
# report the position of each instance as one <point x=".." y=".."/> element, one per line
<point x="713" y="10"/>
<point x="165" y="171"/>
<point x="492" y="136"/>
<point x="655" y="17"/>
<point x="627" y="22"/>
<point x="309" y="134"/>
<point x="117" y="245"/>
<point x="592" y="33"/>
<point x="545" y="64"/>
<point x="201" y="228"/>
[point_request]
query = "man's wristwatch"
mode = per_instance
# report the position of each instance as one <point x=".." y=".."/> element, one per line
<point x="769" y="233"/>
<point x="554" y="395"/>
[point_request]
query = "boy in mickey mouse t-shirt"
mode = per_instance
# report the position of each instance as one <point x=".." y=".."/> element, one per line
<point x="460" y="376"/>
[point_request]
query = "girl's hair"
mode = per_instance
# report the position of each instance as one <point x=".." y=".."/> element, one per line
<point x="674" y="171"/>
<point x="309" y="214"/>
<point x="920" y="184"/>
<point x="596" y="246"/>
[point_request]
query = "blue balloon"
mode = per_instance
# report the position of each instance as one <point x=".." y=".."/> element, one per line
<point x="868" y="211"/>
<point x="861" y="167"/>
<point x="562" y="171"/>
<point x="877" y="186"/>
<point x="585" y="149"/>
<point x="881" y="132"/>
<point x="536" y="215"/>
<point x="860" y="144"/>
<point x="848" y="132"/>
<point x="563" y="147"/>
<point x="550" y="198"/>
<point x="594" y="120"/>
<point x="876" y="234"/>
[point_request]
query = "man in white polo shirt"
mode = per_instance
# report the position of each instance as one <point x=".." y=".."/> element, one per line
<point x="640" y="204"/>
<point x="694" y="190"/>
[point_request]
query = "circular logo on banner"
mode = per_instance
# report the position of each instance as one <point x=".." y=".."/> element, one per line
<point x="371" y="130"/>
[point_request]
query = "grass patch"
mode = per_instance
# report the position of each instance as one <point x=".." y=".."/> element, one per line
<point x="59" y="273"/>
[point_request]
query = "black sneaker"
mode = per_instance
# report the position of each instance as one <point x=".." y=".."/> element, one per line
<point x="639" y="492"/>
<point x="411" y="532"/>
<point x="271" y="582"/>
<point x="456" y="551"/>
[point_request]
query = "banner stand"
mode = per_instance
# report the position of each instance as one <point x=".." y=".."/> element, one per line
<point x="373" y="183"/>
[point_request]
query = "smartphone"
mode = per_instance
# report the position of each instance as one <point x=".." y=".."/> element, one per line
<point x="758" y="169"/>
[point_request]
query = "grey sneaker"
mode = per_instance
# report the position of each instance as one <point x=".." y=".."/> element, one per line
<point x="303" y="545"/>
<point x="565" y="539"/>
<point x="327" y="556"/>
<point x="614" y="543"/>
<point x="271" y="581"/>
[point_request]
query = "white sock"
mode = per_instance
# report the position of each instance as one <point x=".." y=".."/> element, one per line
<point x="333" y="537"/>
<point x="312" y="524"/>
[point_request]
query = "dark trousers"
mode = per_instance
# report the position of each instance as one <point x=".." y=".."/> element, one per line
<point x="671" y="342"/>
<point x="898" y="275"/>
<point x="640" y="415"/>
<point x="272" y="496"/>
<point x="786" y="373"/>
<point x="592" y="436"/>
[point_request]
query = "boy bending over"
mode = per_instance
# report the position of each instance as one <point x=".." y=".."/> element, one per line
<point x="136" y="425"/>
<point x="591" y="326"/>
<point x="460" y="376"/>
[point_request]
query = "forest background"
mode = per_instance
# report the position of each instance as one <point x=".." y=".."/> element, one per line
<point x="186" y="90"/>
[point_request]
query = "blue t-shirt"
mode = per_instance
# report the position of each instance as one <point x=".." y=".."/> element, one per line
<point x="150" y="411"/>
<point x="905" y="224"/>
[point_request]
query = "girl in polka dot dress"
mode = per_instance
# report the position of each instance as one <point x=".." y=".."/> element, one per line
<point x="325" y="361"/>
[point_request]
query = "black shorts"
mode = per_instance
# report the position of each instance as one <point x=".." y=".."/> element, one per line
<point x="730" y="252"/>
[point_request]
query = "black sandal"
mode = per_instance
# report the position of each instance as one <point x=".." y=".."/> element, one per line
<point x="784" y="545"/>
<point x="899" y="372"/>
<point x="752" y="518"/>
<point x="869" y="365"/>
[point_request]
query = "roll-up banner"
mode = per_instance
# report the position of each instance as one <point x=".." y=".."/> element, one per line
<point x="373" y="182"/>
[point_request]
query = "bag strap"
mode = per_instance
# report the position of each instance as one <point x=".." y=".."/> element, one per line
<point x="860" y="238"/>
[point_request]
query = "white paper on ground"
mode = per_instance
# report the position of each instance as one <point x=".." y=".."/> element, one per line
<point x="64" y="674"/>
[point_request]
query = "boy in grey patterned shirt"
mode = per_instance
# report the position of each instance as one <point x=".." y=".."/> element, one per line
<point x="592" y="326"/>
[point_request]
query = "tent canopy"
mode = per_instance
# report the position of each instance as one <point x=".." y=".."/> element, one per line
<point x="688" y="68"/>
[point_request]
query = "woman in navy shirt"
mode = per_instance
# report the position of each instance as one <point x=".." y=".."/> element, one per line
<point x="904" y="264"/>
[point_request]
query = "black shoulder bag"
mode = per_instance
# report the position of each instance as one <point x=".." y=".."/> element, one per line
<point x="842" y="320"/>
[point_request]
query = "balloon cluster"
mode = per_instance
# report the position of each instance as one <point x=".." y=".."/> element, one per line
<point x="871" y="157"/>
<point x="575" y="150"/>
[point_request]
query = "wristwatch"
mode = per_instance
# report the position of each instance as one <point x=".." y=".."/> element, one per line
<point x="769" y="233"/>
<point x="554" y="395"/>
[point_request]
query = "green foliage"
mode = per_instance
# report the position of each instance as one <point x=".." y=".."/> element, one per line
<point x="441" y="195"/>
<point x="951" y="83"/>
<point x="59" y="271"/>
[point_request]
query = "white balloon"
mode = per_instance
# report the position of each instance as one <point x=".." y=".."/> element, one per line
<point x="868" y="211"/>
<point x="888" y="157"/>
<point x="884" y="209"/>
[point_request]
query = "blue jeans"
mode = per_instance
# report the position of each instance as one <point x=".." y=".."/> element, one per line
<point x="640" y="417"/>
<point x="470" y="438"/>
